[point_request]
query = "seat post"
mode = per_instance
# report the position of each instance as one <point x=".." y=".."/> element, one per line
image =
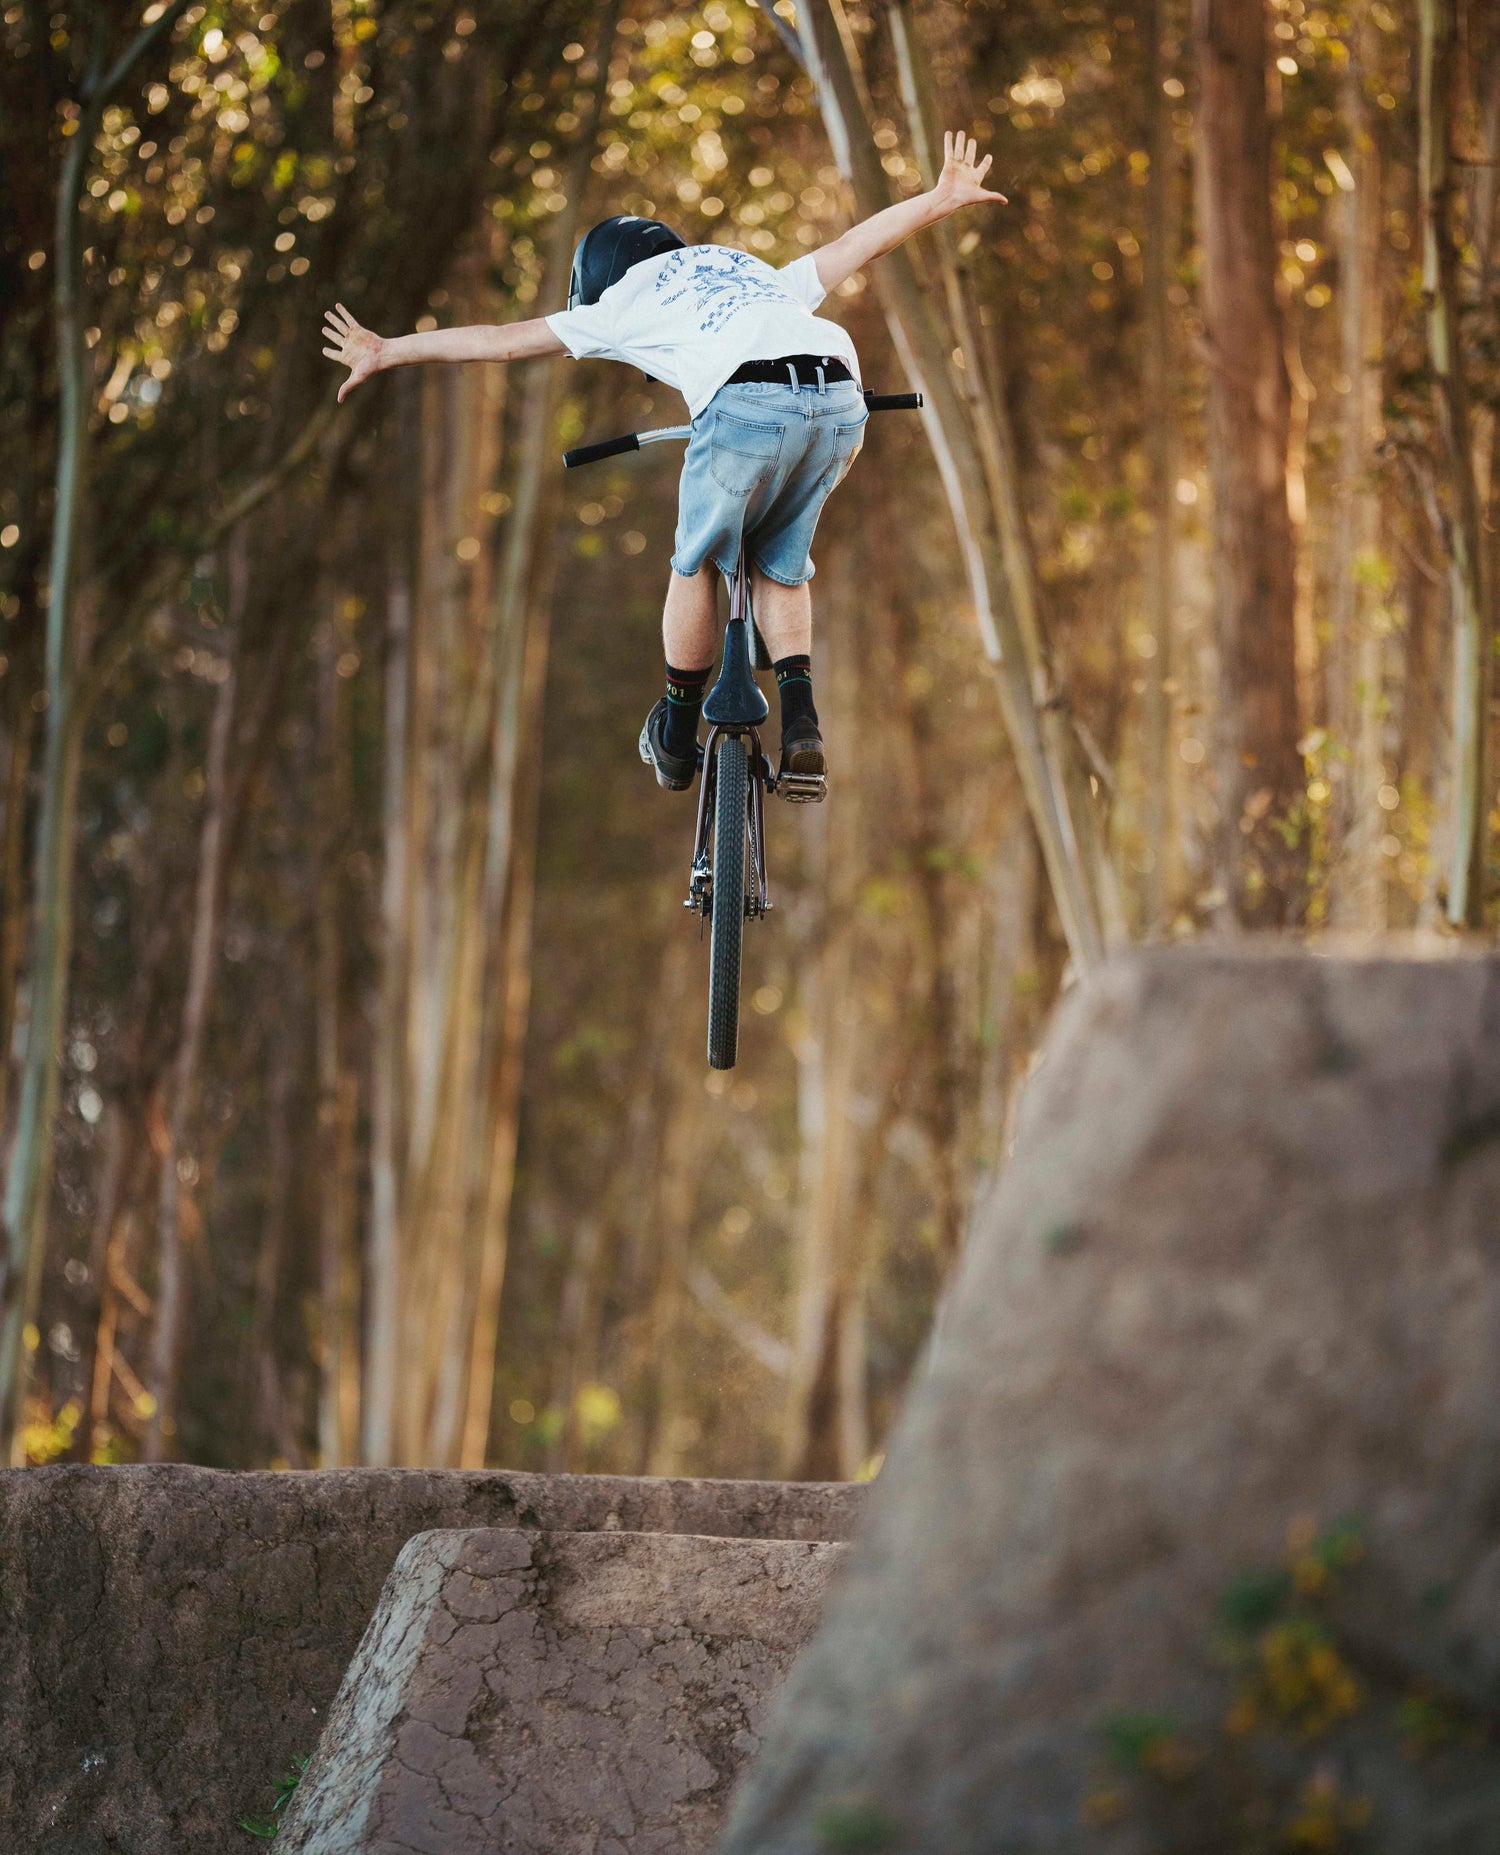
<point x="735" y="701"/>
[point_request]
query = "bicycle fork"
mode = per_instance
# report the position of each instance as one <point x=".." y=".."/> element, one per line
<point x="701" y="882"/>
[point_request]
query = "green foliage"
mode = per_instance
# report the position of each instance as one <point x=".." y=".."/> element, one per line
<point x="1136" y="1740"/>
<point x="854" y="1826"/>
<point x="1255" y="1599"/>
<point x="286" y="1789"/>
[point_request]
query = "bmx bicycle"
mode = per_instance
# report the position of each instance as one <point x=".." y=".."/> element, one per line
<point x="727" y="878"/>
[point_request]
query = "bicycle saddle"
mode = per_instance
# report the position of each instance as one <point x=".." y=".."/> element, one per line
<point x="735" y="699"/>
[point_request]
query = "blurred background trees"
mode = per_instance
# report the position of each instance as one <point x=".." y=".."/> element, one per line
<point x="353" y="1106"/>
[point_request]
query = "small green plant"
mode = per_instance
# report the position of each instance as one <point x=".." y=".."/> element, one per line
<point x="286" y="1790"/>
<point x="857" y="1825"/>
<point x="1145" y="1742"/>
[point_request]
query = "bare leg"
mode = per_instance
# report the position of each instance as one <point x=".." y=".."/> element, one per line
<point x="690" y="619"/>
<point x="784" y="614"/>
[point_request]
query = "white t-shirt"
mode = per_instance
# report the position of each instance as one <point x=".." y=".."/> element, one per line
<point x="692" y="316"/>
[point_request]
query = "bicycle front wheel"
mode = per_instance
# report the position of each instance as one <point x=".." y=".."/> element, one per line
<point x="732" y="782"/>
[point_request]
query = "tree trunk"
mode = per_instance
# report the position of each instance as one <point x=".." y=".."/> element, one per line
<point x="1260" y="769"/>
<point x="28" y="1175"/>
<point x="12" y="891"/>
<point x="263" y="1376"/>
<point x="179" y="1164"/>
<point x="1357" y="672"/>
<point x="521" y="621"/>
<point x="388" y="1107"/>
<point x="1461" y="516"/>
<point x="1157" y="383"/>
<point x="975" y="462"/>
<point x="338" y="1257"/>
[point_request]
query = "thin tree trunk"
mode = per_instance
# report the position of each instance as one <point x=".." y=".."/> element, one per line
<point x="179" y="1163"/>
<point x="338" y="1263"/>
<point x="388" y="1139"/>
<point x="119" y="1150"/>
<point x="1356" y="681"/>
<point x="1462" y="521"/>
<point x="12" y="892"/>
<point x="23" y="1211"/>
<point x="994" y="549"/>
<point x="263" y="1376"/>
<point x="1260" y="769"/>
<point x="1158" y="384"/>
<point x="575" y="1328"/>
<point x="521" y="622"/>
<point x="672" y="1217"/>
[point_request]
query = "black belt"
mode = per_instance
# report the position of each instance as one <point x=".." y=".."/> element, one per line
<point x="806" y="367"/>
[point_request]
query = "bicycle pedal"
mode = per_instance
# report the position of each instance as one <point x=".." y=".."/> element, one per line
<point x="802" y="788"/>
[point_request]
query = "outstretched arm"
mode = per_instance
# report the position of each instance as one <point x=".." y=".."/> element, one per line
<point x="365" y="353"/>
<point x="961" y="183"/>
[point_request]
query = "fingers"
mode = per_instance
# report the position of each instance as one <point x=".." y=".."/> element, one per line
<point x="962" y="149"/>
<point x="984" y="167"/>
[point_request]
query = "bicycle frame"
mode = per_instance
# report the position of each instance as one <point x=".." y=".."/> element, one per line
<point x="733" y="706"/>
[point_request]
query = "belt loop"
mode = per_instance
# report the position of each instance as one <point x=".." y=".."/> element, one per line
<point x="791" y="368"/>
<point x="822" y="383"/>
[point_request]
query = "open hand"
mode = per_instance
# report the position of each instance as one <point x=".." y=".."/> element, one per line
<point x="961" y="182"/>
<point x="357" y="348"/>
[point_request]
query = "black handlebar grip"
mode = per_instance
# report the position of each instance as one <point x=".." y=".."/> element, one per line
<point x="607" y="447"/>
<point x="893" y="402"/>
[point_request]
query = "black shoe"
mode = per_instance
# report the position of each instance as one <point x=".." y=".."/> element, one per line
<point x="673" y="771"/>
<point x="803" y="779"/>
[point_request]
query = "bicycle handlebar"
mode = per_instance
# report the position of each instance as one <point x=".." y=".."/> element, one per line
<point x="632" y="441"/>
<point x="607" y="447"/>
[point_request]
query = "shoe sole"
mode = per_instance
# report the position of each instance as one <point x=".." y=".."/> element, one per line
<point x="665" y="781"/>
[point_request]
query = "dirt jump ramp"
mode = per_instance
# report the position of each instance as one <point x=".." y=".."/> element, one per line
<point x="557" y="1694"/>
<point x="171" y="1639"/>
<point x="1188" y="1541"/>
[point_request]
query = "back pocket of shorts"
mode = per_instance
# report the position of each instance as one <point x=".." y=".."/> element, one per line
<point x="742" y="455"/>
<point x="848" y="441"/>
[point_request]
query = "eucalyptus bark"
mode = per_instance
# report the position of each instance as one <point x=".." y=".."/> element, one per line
<point x="1461" y="512"/>
<point x="980" y="484"/>
<point x="1357" y="671"/>
<point x="179" y="1164"/>
<point x="1158" y="384"/>
<point x="1259" y="768"/>
<point x="23" y="1211"/>
<point x="388" y="1107"/>
<point x="12" y="889"/>
<point x="521" y="620"/>
<point x="338" y="1258"/>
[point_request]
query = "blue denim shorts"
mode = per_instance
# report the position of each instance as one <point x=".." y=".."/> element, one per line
<point x="759" y="466"/>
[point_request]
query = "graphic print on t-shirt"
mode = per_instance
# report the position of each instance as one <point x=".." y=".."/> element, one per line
<point x="719" y="280"/>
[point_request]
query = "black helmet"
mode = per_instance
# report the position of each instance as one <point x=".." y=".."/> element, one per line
<point x="608" y="251"/>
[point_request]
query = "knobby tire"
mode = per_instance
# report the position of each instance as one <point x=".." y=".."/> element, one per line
<point x="728" y="919"/>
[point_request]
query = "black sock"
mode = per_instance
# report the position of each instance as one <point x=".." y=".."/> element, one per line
<point x="684" y="699"/>
<point x="794" y="683"/>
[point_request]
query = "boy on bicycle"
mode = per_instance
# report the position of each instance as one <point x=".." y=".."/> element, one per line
<point x="774" y="395"/>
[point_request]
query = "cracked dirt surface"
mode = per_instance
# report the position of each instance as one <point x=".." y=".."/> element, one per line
<point x="1239" y="1287"/>
<point x="172" y="1638"/>
<point x="557" y="1694"/>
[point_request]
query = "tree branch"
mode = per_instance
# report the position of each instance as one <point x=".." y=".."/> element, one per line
<point x="97" y="93"/>
<point x="786" y="33"/>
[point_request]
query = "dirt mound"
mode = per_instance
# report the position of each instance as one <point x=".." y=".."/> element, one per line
<point x="1189" y="1539"/>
